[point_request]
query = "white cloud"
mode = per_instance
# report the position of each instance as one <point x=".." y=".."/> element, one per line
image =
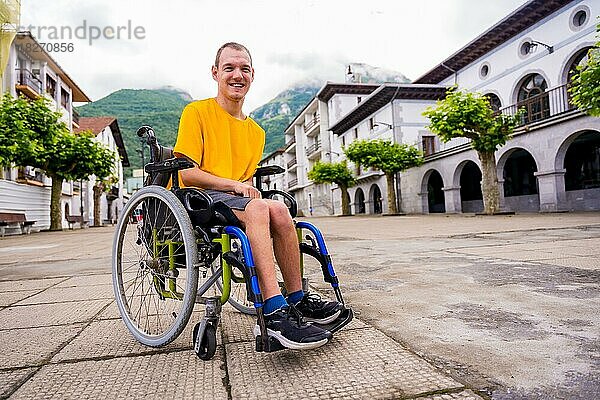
<point x="289" y="40"/>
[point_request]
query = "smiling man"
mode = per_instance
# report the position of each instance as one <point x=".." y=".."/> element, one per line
<point x="226" y="147"/>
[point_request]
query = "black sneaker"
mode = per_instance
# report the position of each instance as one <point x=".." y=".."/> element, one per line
<point x="287" y="326"/>
<point x="315" y="310"/>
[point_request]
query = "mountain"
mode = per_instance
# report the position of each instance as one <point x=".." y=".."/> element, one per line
<point x="159" y="108"/>
<point x="365" y="73"/>
<point x="277" y="114"/>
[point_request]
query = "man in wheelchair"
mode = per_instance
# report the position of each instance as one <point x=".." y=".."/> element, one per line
<point x="226" y="145"/>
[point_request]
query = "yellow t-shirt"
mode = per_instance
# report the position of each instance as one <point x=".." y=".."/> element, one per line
<point x="217" y="142"/>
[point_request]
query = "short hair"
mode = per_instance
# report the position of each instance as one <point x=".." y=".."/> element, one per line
<point x="232" y="45"/>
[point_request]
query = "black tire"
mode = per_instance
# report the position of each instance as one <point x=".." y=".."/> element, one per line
<point x="208" y="344"/>
<point x="155" y="266"/>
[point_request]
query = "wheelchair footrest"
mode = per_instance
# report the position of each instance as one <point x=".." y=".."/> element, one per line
<point x="271" y="346"/>
<point x="344" y="319"/>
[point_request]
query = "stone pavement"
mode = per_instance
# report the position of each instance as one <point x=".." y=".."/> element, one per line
<point x="449" y="308"/>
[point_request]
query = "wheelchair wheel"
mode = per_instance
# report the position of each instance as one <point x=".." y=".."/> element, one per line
<point x="155" y="266"/>
<point x="208" y="343"/>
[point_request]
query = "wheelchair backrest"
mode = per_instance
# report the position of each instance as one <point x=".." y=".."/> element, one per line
<point x="160" y="153"/>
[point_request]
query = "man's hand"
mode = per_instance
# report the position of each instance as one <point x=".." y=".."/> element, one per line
<point x="246" y="190"/>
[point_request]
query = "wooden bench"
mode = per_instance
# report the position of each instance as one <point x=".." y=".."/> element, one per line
<point x="14" y="220"/>
<point x="76" y="219"/>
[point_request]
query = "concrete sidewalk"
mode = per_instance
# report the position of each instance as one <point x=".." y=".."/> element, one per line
<point x="450" y="308"/>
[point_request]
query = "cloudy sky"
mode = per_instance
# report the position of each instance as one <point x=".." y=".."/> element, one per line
<point x="289" y="40"/>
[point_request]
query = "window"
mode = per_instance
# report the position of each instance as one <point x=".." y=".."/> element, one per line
<point x="579" y="18"/>
<point x="533" y="98"/>
<point x="428" y="143"/>
<point x="355" y="133"/>
<point x="484" y="71"/>
<point x="50" y="86"/>
<point x="494" y="100"/>
<point x="64" y="97"/>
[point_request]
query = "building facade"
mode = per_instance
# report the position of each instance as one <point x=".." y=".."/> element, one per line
<point x="525" y="61"/>
<point x="552" y="162"/>
<point x="33" y="73"/>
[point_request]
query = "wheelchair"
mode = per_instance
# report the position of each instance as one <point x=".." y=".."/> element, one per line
<point x="174" y="248"/>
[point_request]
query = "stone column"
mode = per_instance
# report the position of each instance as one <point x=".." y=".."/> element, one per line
<point x="501" y="191"/>
<point x="452" y="199"/>
<point x="551" y="186"/>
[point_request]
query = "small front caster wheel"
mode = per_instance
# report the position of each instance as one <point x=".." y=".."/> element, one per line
<point x="208" y="342"/>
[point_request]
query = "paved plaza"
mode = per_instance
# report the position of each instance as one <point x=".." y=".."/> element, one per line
<point x="448" y="306"/>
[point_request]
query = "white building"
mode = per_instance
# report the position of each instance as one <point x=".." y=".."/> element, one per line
<point x="552" y="162"/>
<point x="33" y="73"/>
<point x="308" y="140"/>
<point x="108" y="133"/>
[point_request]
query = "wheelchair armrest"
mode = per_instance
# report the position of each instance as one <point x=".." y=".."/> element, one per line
<point x="198" y="204"/>
<point x="170" y="165"/>
<point x="290" y="201"/>
<point x="268" y="170"/>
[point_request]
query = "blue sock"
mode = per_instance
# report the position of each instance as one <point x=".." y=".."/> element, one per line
<point x="295" y="297"/>
<point x="273" y="304"/>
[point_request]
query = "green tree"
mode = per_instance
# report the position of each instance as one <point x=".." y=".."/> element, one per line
<point x="388" y="157"/>
<point x="31" y="134"/>
<point x="585" y="85"/>
<point x="469" y="115"/>
<point x="338" y="173"/>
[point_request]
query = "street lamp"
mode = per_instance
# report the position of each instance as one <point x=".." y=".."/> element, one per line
<point x="377" y="123"/>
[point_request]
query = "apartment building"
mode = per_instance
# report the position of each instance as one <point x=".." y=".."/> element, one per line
<point x="525" y="61"/>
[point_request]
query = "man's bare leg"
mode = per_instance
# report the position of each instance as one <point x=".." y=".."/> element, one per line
<point x="285" y="245"/>
<point x="255" y="219"/>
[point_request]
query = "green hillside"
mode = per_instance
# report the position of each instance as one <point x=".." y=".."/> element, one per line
<point x="277" y="114"/>
<point x="159" y="108"/>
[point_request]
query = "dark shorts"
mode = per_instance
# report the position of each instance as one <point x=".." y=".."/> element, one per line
<point x="231" y="201"/>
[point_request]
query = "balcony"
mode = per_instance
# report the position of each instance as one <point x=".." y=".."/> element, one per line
<point x="545" y="105"/>
<point x="292" y="183"/>
<point x="292" y="162"/>
<point x="310" y="125"/>
<point x="28" y="83"/>
<point x="313" y="148"/>
<point x="289" y="145"/>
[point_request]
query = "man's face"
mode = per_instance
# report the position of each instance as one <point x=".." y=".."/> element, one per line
<point x="234" y="74"/>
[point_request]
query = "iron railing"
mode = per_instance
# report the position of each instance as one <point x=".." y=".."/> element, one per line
<point x="542" y="106"/>
<point x="313" y="147"/>
<point x="26" y="78"/>
<point x="292" y="162"/>
<point x="292" y="183"/>
<point x="290" y="142"/>
<point x="311" y="123"/>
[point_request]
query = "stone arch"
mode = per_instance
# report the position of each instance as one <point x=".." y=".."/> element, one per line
<point x="468" y="176"/>
<point x="359" y="202"/>
<point x="579" y="157"/>
<point x="432" y="189"/>
<point x="518" y="168"/>
<point x="566" y="67"/>
<point x="525" y="75"/>
<point x="375" y="200"/>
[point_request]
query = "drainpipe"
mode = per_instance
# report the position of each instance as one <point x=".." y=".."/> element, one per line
<point x="453" y="71"/>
